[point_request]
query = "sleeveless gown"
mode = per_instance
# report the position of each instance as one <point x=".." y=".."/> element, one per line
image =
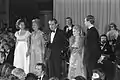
<point x="76" y="67"/>
<point x="20" y="59"/>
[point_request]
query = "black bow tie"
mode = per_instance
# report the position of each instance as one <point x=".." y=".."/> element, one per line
<point x="52" y="31"/>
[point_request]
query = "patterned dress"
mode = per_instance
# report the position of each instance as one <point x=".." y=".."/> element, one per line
<point x="37" y="49"/>
<point x="76" y="67"/>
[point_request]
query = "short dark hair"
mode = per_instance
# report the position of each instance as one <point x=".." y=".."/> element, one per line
<point x="55" y="21"/>
<point x="19" y="21"/>
<point x="91" y="19"/>
<point x="69" y="19"/>
<point x="41" y="64"/>
<point x="112" y="25"/>
<point x="104" y="36"/>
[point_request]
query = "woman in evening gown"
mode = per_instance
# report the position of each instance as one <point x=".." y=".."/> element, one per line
<point x="76" y="67"/>
<point x="37" y="47"/>
<point x="22" y="38"/>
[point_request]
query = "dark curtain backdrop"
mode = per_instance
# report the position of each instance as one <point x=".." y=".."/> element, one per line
<point x="105" y="11"/>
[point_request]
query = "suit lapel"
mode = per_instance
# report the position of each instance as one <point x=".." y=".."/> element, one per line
<point x="54" y="39"/>
<point x="49" y="37"/>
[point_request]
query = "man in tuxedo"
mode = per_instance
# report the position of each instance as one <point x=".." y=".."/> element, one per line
<point x="56" y="44"/>
<point x="92" y="49"/>
<point x="68" y="28"/>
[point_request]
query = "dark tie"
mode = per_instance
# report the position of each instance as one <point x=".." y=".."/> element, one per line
<point x="52" y="31"/>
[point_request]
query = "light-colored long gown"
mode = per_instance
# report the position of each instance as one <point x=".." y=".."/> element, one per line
<point x="37" y="49"/>
<point x="76" y="67"/>
<point x="20" y="59"/>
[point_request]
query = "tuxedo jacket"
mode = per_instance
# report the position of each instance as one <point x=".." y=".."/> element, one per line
<point x="58" y="45"/>
<point x="92" y="49"/>
<point x="68" y="33"/>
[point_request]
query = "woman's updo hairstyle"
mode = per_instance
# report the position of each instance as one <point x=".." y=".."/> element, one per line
<point x="19" y="21"/>
<point x="79" y="28"/>
<point x="37" y="21"/>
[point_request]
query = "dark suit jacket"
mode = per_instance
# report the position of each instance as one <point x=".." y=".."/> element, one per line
<point x="92" y="49"/>
<point x="59" y="43"/>
<point x="68" y="33"/>
<point x="56" y="48"/>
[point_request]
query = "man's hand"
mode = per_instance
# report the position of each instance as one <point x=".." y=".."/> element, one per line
<point x="101" y="59"/>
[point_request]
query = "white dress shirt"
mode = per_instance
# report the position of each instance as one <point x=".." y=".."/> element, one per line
<point x="90" y="26"/>
<point x="52" y="36"/>
<point x="69" y="28"/>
